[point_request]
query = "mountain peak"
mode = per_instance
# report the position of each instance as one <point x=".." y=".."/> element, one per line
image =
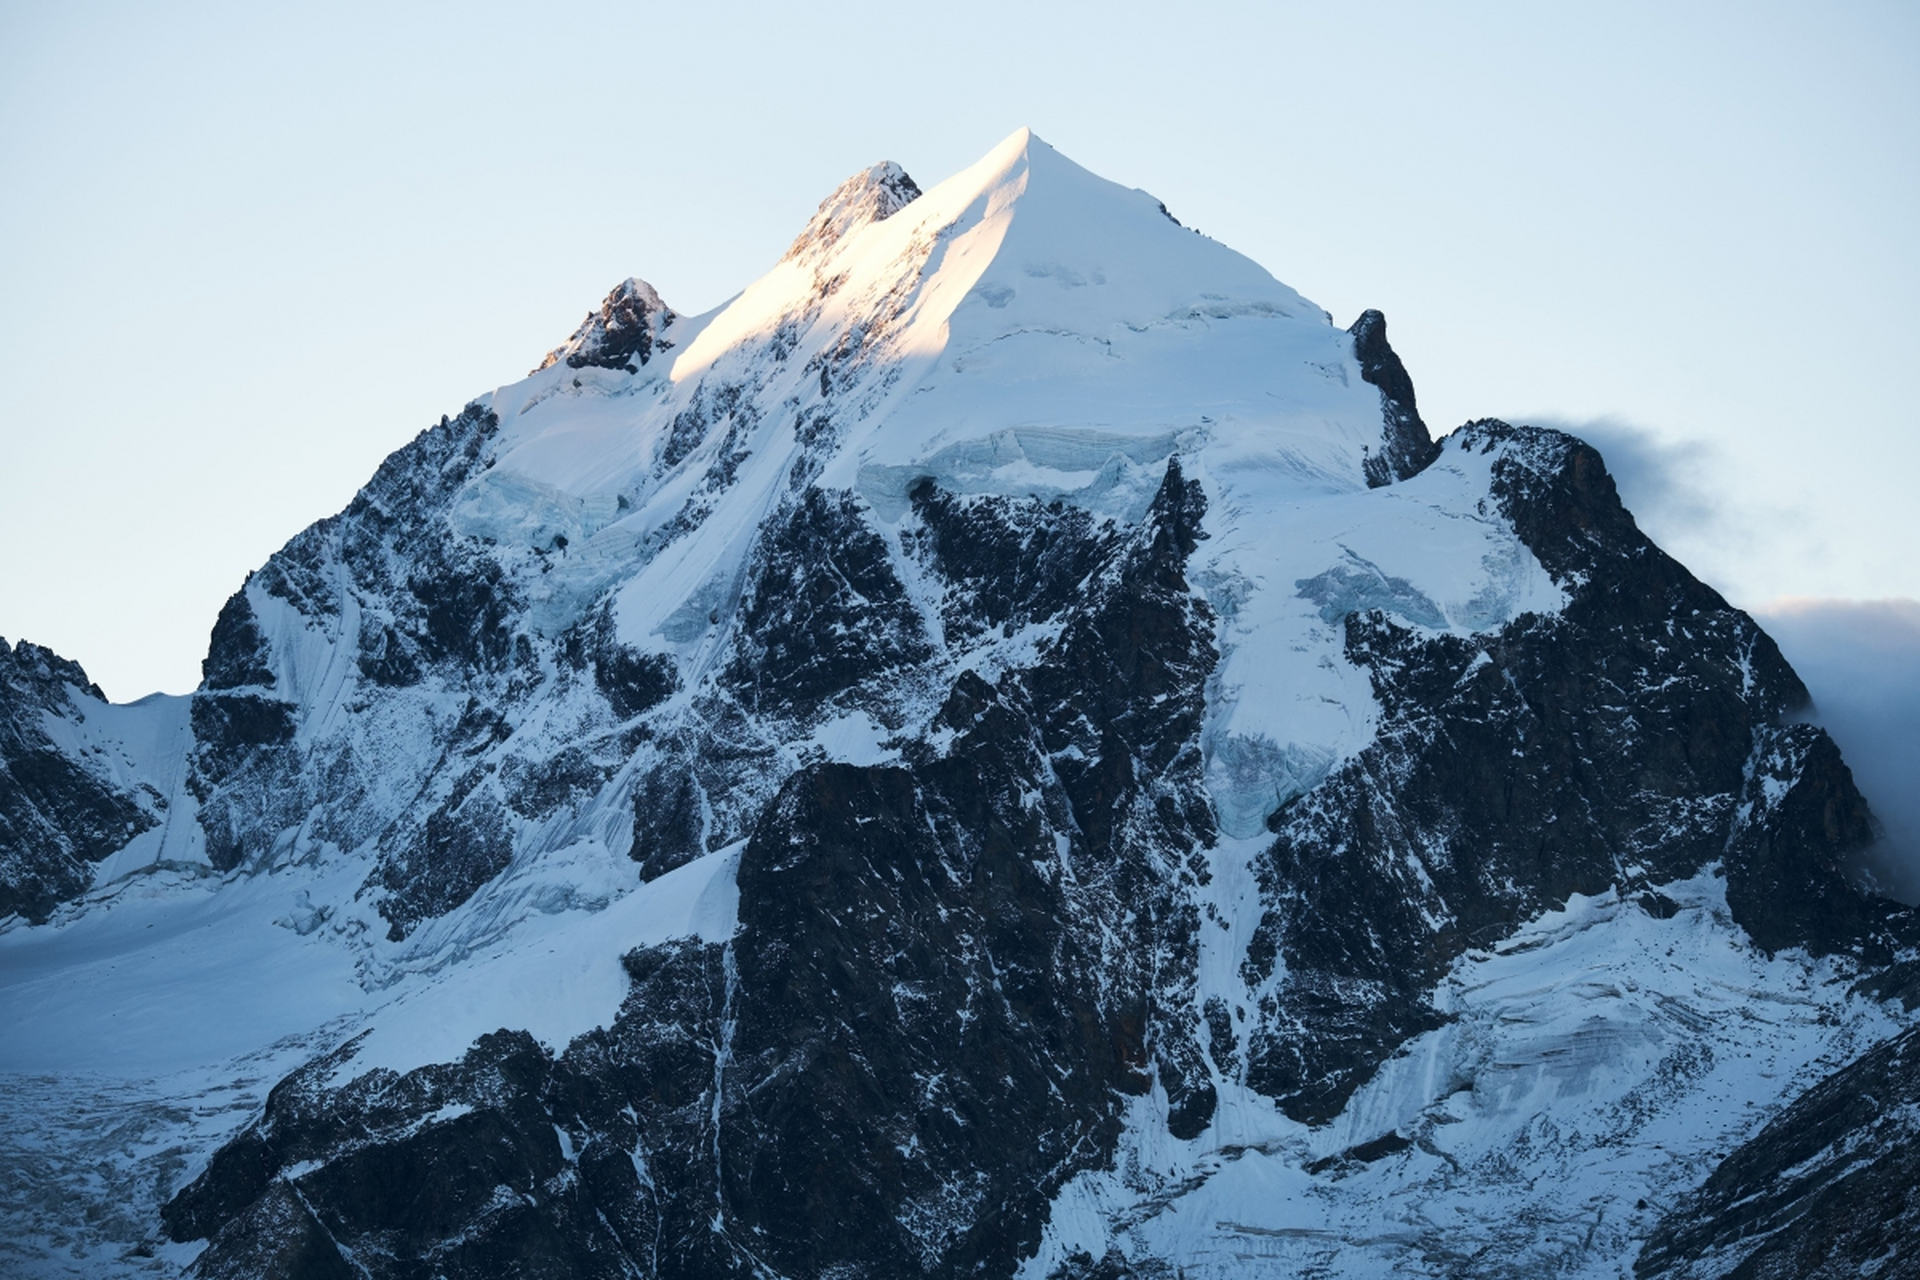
<point x="623" y="334"/>
<point x="872" y="195"/>
<point x="1016" y="659"/>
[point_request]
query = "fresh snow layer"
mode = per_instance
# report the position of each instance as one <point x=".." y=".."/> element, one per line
<point x="137" y="746"/>
<point x="177" y="975"/>
<point x="180" y="976"/>
<point x="1282" y="571"/>
<point x="1024" y="327"/>
<point x="556" y="978"/>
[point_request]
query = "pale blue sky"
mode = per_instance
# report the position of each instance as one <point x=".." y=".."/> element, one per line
<point x="245" y="254"/>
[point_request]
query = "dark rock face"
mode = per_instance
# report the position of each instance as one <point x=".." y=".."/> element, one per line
<point x="825" y="613"/>
<point x="241" y="727"/>
<point x="1626" y="741"/>
<point x="237" y="654"/>
<point x="1786" y="881"/>
<point x="950" y="973"/>
<point x="871" y="196"/>
<point x="57" y="815"/>
<point x="1830" y="1188"/>
<point x="466" y="613"/>
<point x="623" y="334"/>
<point x="954" y="971"/>
<point x="1008" y="563"/>
<point x="438" y="597"/>
<point x="398" y="1181"/>
<point x="895" y="190"/>
<point x="1406" y="445"/>
<point x="949" y="1006"/>
<point x="463" y="844"/>
<point x="230" y="726"/>
<point x="634" y="683"/>
<point x="669" y="825"/>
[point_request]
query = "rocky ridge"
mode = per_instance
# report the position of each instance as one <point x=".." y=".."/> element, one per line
<point x="63" y="807"/>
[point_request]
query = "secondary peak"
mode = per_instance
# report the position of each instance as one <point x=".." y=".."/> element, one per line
<point x="623" y="334"/>
<point x="872" y="195"/>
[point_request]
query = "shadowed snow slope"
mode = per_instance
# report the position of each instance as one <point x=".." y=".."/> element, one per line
<point x="1004" y="749"/>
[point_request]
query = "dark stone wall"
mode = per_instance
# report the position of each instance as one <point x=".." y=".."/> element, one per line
<point x="432" y="605"/>
<point x="953" y="971"/>
<point x="625" y="332"/>
<point x="824" y="615"/>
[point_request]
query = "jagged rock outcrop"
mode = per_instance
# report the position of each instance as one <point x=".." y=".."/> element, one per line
<point x="1406" y="445"/>
<point x="873" y="195"/>
<point x="625" y="333"/>
<point x="421" y="610"/>
<point x="951" y="970"/>
<point x="61" y="809"/>
<point x="948" y="974"/>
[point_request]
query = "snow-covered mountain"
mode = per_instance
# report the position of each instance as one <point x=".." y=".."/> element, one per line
<point x="1004" y="749"/>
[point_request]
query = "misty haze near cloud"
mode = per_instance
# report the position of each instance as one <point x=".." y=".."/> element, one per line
<point x="1859" y="658"/>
